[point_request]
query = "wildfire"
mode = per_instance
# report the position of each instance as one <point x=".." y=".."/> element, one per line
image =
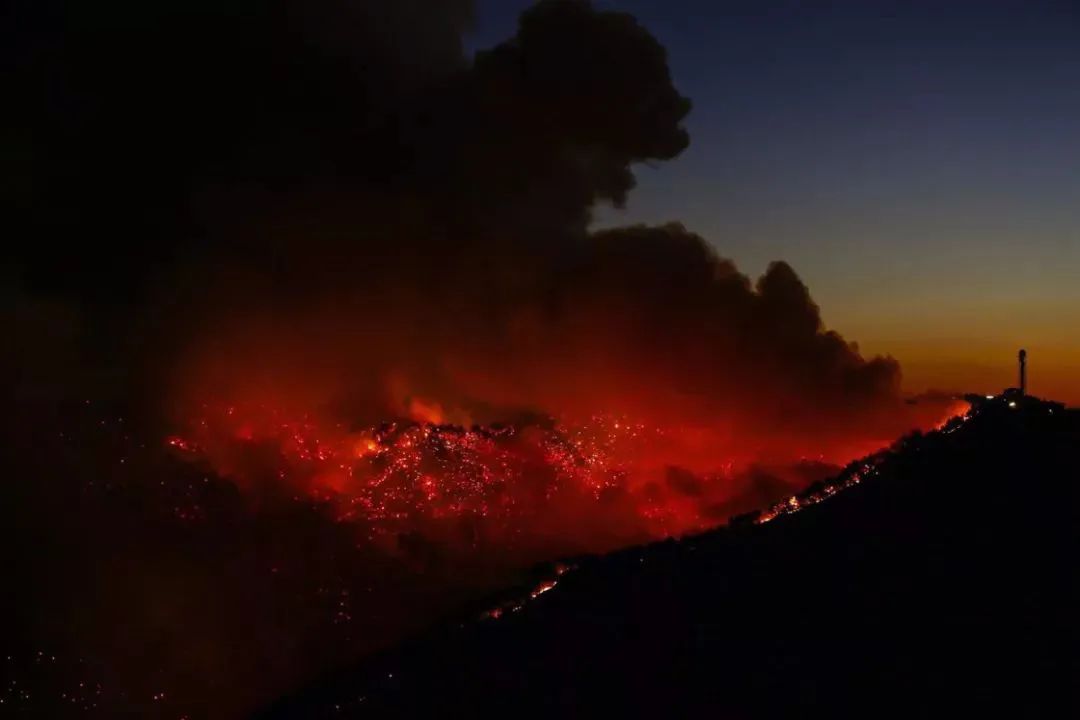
<point x="795" y="503"/>
<point x="959" y="413"/>
<point x="400" y="471"/>
<point x="517" y="605"/>
<point x="540" y="477"/>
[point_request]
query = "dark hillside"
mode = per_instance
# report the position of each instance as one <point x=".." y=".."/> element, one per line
<point x="944" y="581"/>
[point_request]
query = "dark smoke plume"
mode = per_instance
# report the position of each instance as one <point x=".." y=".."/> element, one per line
<point x="323" y="215"/>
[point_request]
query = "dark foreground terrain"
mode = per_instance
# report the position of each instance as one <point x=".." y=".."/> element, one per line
<point x="940" y="580"/>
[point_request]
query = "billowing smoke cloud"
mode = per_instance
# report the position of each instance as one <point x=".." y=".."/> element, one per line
<point x="318" y="244"/>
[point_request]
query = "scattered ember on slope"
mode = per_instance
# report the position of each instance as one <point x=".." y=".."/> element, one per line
<point x="516" y="605"/>
<point x="516" y="482"/>
<point x="852" y="476"/>
<point x="394" y="474"/>
<point x="386" y="481"/>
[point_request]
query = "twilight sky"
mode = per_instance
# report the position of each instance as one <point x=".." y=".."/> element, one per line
<point x="918" y="163"/>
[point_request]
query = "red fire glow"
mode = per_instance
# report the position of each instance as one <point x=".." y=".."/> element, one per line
<point x="578" y="484"/>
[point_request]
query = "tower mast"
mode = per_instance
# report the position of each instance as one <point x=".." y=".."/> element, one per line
<point x="1023" y="372"/>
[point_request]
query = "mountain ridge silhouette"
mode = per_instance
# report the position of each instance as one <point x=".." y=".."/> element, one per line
<point x="938" y="583"/>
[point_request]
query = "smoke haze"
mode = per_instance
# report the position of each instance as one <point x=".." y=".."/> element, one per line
<point x="335" y="260"/>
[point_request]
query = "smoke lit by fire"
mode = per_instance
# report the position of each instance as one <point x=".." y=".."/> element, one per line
<point x="535" y="487"/>
<point x="376" y="357"/>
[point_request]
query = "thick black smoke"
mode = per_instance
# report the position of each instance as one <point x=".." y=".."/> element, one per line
<point x="124" y="113"/>
<point x="209" y="160"/>
<point x="326" y="207"/>
<point x="192" y="170"/>
<point x="137" y="128"/>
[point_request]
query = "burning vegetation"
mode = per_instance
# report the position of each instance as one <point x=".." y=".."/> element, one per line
<point x="536" y="487"/>
<point x="344" y="275"/>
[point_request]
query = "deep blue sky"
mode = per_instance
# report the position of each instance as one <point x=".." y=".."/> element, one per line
<point x="917" y="162"/>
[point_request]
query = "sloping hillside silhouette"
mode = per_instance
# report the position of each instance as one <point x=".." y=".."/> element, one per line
<point x="938" y="578"/>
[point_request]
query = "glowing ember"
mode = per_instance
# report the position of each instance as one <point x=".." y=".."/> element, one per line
<point x="518" y="604"/>
<point x="522" y="481"/>
<point x="397" y="472"/>
<point x="960" y="414"/>
<point x="543" y="588"/>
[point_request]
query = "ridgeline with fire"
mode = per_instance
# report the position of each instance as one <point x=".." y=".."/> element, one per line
<point x="933" y="577"/>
